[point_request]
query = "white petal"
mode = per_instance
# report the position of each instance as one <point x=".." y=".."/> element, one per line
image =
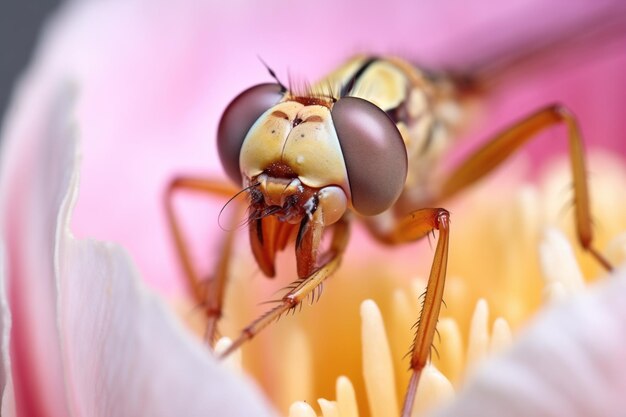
<point x="126" y="355"/>
<point x="570" y="362"/>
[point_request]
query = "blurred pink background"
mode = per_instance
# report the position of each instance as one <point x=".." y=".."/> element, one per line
<point x="154" y="77"/>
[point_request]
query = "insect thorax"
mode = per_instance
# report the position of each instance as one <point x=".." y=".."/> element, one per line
<point x="425" y="109"/>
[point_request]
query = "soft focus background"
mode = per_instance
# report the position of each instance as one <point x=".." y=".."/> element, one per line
<point x="154" y="77"/>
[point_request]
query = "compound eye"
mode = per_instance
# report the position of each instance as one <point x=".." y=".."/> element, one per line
<point x="374" y="153"/>
<point x="237" y="120"/>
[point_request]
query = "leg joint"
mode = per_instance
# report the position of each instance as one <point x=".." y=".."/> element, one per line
<point x="559" y="112"/>
<point x="213" y="312"/>
<point x="443" y="218"/>
<point x="290" y="300"/>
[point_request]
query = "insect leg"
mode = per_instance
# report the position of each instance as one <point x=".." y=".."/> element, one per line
<point x="302" y="288"/>
<point x="210" y="298"/>
<point x="508" y="141"/>
<point x="417" y="225"/>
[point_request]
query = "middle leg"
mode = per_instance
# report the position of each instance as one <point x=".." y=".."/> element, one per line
<point x="207" y="293"/>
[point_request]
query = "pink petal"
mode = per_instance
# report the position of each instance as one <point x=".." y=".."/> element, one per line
<point x="571" y="361"/>
<point x="87" y="338"/>
<point x="29" y="206"/>
<point x="7" y="398"/>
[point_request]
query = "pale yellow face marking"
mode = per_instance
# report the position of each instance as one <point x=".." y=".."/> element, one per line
<point x="311" y="148"/>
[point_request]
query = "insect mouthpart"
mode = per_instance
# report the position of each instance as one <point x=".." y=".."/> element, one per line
<point x="291" y="201"/>
<point x="282" y="197"/>
<point x="277" y="190"/>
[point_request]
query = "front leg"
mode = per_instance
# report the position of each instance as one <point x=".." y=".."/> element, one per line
<point x="303" y="287"/>
<point x="413" y="227"/>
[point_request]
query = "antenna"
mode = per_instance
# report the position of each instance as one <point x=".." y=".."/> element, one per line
<point x="273" y="75"/>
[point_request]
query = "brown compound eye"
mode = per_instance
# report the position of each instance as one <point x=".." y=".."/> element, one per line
<point x="374" y="153"/>
<point x="237" y="120"/>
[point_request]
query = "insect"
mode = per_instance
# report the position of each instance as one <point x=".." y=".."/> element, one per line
<point x="358" y="146"/>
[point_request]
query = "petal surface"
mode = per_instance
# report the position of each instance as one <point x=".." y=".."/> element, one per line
<point x="570" y="361"/>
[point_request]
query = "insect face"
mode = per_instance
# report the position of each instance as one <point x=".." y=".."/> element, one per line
<point x="299" y="137"/>
<point x="351" y="145"/>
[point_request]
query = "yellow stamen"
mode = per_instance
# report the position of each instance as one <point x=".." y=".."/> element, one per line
<point x="449" y="344"/>
<point x="478" y="344"/>
<point x="501" y="336"/>
<point x="346" y="399"/>
<point x="433" y="391"/>
<point x="561" y="272"/>
<point x="233" y="361"/>
<point x="301" y="409"/>
<point x="378" y="373"/>
<point x="402" y="318"/>
<point x="329" y="408"/>
<point x="295" y="348"/>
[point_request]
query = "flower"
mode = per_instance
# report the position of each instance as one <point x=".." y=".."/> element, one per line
<point x="80" y="333"/>
<point x="343" y="352"/>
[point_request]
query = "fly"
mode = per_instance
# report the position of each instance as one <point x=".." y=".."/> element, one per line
<point x="360" y="145"/>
